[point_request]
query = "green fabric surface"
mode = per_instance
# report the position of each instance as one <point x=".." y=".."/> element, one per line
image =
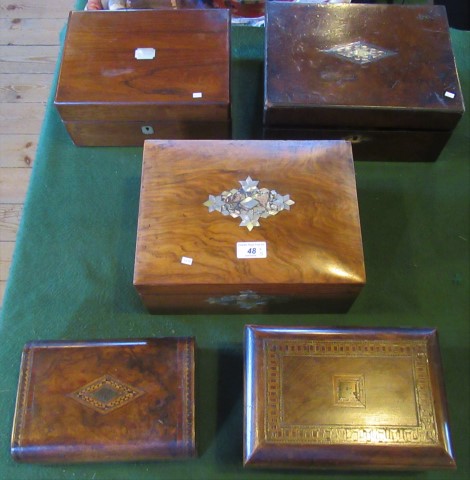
<point x="72" y="279"/>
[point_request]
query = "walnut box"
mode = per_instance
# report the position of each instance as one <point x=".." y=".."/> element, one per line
<point x="345" y="398"/>
<point x="248" y="226"/>
<point x="116" y="400"/>
<point x="381" y="76"/>
<point x="133" y="75"/>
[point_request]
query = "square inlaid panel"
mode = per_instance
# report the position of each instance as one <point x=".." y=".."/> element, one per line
<point x="344" y="398"/>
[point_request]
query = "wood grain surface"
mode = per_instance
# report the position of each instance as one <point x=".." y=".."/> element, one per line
<point x="29" y="45"/>
<point x="345" y="398"/>
<point x="46" y="9"/>
<point x="18" y="88"/>
<point x="192" y="56"/>
<point x="30" y="31"/>
<point x="314" y="249"/>
<point x="149" y="415"/>
<point x="308" y="85"/>
<point x="30" y="59"/>
<point x="9" y="222"/>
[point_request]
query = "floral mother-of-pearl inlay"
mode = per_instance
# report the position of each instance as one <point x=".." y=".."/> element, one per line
<point x="249" y="202"/>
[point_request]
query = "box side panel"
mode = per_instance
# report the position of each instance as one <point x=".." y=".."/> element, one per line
<point x="104" y="134"/>
<point x="186" y="374"/>
<point x="255" y="379"/>
<point x="375" y="145"/>
<point x="355" y="116"/>
<point x="338" y="300"/>
<point x="19" y="429"/>
<point x="128" y="111"/>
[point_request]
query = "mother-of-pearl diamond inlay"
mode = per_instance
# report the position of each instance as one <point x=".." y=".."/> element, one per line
<point x="359" y="52"/>
<point x="249" y="202"/>
<point x="105" y="394"/>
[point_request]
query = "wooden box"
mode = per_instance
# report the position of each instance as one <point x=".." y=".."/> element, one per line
<point x="380" y="76"/>
<point x="248" y="226"/>
<point x="120" y="400"/>
<point x="127" y="76"/>
<point x="345" y="398"/>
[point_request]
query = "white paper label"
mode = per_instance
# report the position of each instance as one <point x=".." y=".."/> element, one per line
<point x="144" y="53"/>
<point x="251" y="250"/>
<point x="197" y="95"/>
<point x="449" y="95"/>
<point x="186" y="261"/>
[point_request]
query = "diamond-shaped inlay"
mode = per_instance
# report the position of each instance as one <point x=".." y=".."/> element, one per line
<point x="105" y="394"/>
<point x="249" y="202"/>
<point x="359" y="52"/>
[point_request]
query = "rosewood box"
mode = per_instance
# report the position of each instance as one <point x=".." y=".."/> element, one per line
<point x="116" y="400"/>
<point x="381" y="76"/>
<point x="345" y="398"/>
<point x="133" y="75"/>
<point x="248" y="226"/>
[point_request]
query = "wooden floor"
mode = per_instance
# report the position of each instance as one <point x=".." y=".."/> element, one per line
<point x="29" y="45"/>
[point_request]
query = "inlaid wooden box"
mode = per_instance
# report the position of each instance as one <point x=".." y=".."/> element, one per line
<point x="127" y="76"/>
<point x="380" y="76"/>
<point x="109" y="400"/>
<point x="248" y="226"/>
<point x="345" y="398"/>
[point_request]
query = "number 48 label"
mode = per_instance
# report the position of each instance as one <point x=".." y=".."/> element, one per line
<point x="251" y="250"/>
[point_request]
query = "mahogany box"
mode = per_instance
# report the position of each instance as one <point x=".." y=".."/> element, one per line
<point x="127" y="76"/>
<point x="248" y="226"/>
<point x="109" y="400"/>
<point x="381" y="76"/>
<point x="345" y="398"/>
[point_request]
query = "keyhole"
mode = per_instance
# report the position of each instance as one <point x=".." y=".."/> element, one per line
<point x="147" y="130"/>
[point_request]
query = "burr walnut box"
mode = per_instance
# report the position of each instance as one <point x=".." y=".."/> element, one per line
<point x="248" y="226"/>
<point x="133" y="75"/>
<point x="381" y="76"/>
<point x="119" y="400"/>
<point x="345" y="398"/>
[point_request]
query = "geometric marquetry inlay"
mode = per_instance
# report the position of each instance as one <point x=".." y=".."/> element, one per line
<point x="106" y="394"/>
<point x="352" y="408"/>
<point x="349" y="391"/>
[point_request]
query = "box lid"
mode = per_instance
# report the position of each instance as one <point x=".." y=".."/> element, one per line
<point x="109" y="70"/>
<point x="204" y="204"/>
<point x="345" y="398"/>
<point x="116" y="400"/>
<point x="375" y="66"/>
